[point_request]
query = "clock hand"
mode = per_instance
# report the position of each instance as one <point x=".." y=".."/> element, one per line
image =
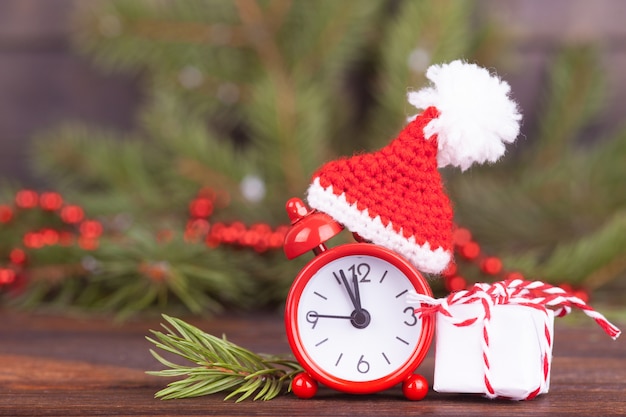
<point x="314" y="314"/>
<point x="312" y="317"/>
<point x="355" y="302"/>
<point x="360" y="317"/>
<point x="357" y="295"/>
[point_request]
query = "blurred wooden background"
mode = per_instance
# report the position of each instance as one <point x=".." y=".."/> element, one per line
<point x="43" y="82"/>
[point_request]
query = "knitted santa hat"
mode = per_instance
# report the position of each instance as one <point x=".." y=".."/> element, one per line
<point x="394" y="197"/>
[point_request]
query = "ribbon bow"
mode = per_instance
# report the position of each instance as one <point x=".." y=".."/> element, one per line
<point x="533" y="294"/>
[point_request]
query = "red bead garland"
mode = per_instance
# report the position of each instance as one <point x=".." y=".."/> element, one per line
<point x="470" y="251"/>
<point x="83" y="232"/>
<point x="260" y="237"/>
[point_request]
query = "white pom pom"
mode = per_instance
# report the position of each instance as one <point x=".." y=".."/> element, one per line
<point x="477" y="117"/>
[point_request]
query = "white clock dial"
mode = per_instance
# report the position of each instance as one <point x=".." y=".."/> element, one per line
<point x="353" y="319"/>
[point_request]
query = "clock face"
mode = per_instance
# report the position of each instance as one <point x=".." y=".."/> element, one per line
<point x="349" y="323"/>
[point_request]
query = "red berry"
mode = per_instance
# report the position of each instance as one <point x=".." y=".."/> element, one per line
<point x="261" y="228"/>
<point x="33" y="240"/>
<point x="49" y="236"/>
<point x="7" y="276"/>
<point x="456" y="283"/>
<point x="514" y="275"/>
<point x="450" y="270"/>
<point x="491" y="265"/>
<point x="17" y="256"/>
<point x="303" y="386"/>
<point x="214" y="237"/>
<point x="249" y="238"/>
<point x="582" y="294"/>
<point x="276" y="240"/>
<point x="201" y="207"/>
<point x="231" y="234"/>
<point x="415" y="387"/>
<point x="470" y="250"/>
<point x="91" y="229"/>
<point x="6" y="214"/>
<point x="26" y="199"/>
<point x="72" y="214"/>
<point x="461" y="236"/>
<point x="50" y="201"/>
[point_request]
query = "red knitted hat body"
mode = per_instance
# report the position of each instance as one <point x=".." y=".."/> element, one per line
<point x="393" y="197"/>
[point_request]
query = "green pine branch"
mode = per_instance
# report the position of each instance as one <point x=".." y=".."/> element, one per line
<point x="217" y="366"/>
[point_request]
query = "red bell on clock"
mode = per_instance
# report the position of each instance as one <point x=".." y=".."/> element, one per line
<point x="309" y="229"/>
<point x="346" y="317"/>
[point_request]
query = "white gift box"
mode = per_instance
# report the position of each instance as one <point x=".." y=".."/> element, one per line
<point x="519" y="349"/>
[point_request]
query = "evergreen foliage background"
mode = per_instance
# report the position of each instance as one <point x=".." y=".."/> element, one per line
<point x="245" y="90"/>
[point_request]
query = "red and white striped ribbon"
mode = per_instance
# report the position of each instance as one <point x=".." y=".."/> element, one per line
<point x="533" y="294"/>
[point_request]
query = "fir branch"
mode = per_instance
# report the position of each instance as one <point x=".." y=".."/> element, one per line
<point x="219" y="366"/>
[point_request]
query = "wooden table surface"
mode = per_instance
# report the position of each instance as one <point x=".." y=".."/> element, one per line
<point x="64" y="366"/>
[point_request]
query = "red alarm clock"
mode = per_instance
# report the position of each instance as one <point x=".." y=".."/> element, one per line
<point x="346" y="316"/>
